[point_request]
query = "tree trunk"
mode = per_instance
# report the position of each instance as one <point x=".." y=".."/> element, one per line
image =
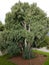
<point x="29" y="28"/>
<point x="29" y="31"/>
<point x="29" y="48"/>
<point x="25" y="42"/>
<point x="25" y="38"/>
<point x="29" y="42"/>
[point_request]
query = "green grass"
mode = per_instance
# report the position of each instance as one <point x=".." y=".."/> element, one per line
<point x="4" y="60"/>
<point x="43" y="53"/>
<point x="47" y="62"/>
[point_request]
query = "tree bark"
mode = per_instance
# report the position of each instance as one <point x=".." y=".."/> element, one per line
<point x="25" y="38"/>
<point x="29" y="28"/>
<point x="29" y="31"/>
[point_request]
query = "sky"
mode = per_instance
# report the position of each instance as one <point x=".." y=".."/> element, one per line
<point x="5" y="6"/>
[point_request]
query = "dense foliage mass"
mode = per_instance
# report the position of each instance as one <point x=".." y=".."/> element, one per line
<point x="25" y="25"/>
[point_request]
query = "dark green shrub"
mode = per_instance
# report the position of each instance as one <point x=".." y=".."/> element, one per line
<point x="47" y="41"/>
<point x="47" y="46"/>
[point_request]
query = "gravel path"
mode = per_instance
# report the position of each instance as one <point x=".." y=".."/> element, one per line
<point x="42" y="49"/>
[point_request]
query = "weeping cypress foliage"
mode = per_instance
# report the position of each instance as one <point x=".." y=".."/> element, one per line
<point x="25" y="25"/>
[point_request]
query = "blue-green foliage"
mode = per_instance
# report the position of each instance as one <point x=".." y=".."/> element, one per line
<point x="12" y="38"/>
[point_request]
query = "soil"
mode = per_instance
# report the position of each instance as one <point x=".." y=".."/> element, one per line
<point x="38" y="60"/>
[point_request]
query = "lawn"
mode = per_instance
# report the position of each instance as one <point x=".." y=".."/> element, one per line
<point x="45" y="54"/>
<point x="4" y="61"/>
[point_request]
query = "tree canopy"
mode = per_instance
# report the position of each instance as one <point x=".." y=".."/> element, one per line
<point x="22" y="13"/>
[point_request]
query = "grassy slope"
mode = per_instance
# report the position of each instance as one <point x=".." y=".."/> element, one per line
<point x="4" y="61"/>
<point x="43" y="53"/>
